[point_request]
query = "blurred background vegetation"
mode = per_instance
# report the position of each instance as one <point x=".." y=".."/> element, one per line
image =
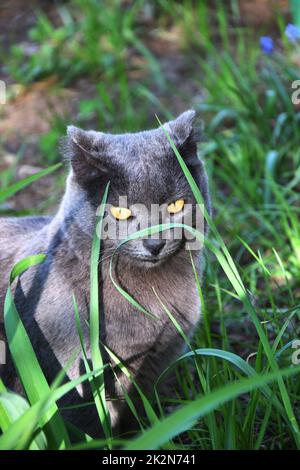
<point x="113" y="65"/>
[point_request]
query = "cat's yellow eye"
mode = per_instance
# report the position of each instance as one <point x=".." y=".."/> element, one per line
<point x="176" y="206"/>
<point x="120" y="213"/>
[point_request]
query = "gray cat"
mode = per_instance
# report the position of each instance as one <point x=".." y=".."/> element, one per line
<point x="143" y="167"/>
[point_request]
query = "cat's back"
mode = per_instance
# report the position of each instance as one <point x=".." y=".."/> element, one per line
<point x="15" y="233"/>
<point x="16" y="226"/>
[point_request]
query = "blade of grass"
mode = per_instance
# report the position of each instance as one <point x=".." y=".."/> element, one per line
<point x="13" y="189"/>
<point x="28" y="422"/>
<point x="230" y="269"/>
<point x="26" y="363"/>
<point x="97" y="361"/>
<point x="187" y="416"/>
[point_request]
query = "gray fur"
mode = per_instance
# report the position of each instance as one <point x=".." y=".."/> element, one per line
<point x="143" y="167"/>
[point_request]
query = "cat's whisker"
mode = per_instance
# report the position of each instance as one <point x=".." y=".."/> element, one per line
<point x="105" y="258"/>
<point x="106" y="255"/>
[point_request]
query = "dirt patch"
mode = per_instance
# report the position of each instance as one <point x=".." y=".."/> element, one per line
<point x="31" y="111"/>
<point x="260" y="12"/>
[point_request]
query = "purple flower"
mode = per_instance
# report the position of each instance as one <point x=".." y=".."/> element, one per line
<point x="292" y="32"/>
<point x="267" y="44"/>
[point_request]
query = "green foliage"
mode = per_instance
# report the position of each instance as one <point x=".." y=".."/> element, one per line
<point x="9" y="191"/>
<point x="236" y="387"/>
<point x="93" y="38"/>
<point x="86" y="41"/>
<point x="98" y="40"/>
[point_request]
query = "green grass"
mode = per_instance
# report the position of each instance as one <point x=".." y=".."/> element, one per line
<point x="236" y="388"/>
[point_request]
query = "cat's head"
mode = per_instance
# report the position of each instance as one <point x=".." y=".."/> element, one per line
<point x="147" y="184"/>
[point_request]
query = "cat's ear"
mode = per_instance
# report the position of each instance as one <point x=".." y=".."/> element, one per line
<point x="184" y="134"/>
<point x="86" y="151"/>
<point x="182" y="127"/>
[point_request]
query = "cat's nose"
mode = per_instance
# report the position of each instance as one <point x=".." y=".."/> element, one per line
<point x="154" y="246"/>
